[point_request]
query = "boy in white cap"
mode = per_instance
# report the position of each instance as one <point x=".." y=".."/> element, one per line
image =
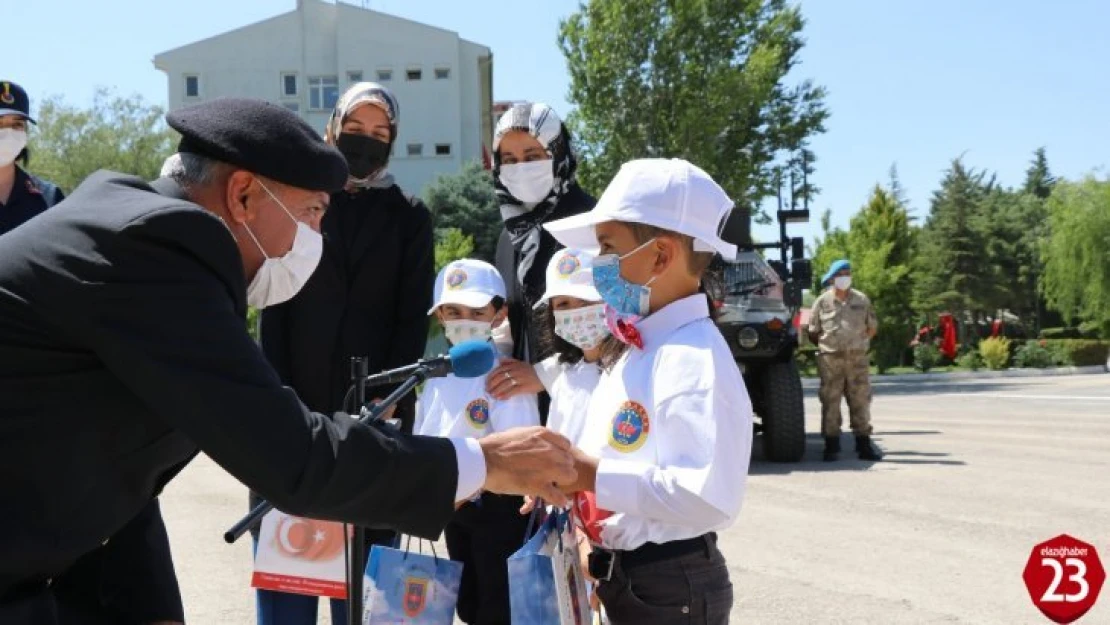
<point x="469" y="301"/>
<point x="668" y="434"/>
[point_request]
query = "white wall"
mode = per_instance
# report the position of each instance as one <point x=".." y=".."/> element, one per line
<point x="325" y="39"/>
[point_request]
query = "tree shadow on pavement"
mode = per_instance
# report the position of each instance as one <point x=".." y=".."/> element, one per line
<point x="815" y="446"/>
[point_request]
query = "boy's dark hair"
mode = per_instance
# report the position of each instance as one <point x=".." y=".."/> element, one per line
<point x="700" y="264"/>
<point x="498" y="302"/>
<point x="552" y="343"/>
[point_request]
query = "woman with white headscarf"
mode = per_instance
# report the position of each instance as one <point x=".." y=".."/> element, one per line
<point x="369" y="295"/>
<point x="534" y="174"/>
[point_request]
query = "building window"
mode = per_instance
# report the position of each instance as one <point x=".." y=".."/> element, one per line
<point x="354" y="76"/>
<point x="443" y="73"/>
<point x="443" y="149"/>
<point x="289" y="84"/>
<point x="323" y="92"/>
<point x="416" y="149"/>
<point x="414" y="73"/>
<point x="292" y="106"/>
<point x="192" y="86"/>
<point x="385" y="75"/>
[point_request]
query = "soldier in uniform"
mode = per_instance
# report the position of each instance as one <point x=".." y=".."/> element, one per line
<point x="22" y="196"/>
<point x="842" y="324"/>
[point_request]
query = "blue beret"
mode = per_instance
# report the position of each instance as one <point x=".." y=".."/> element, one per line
<point x="263" y="138"/>
<point x="835" y="268"/>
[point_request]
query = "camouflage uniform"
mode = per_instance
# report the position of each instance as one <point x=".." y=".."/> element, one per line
<point x="841" y="329"/>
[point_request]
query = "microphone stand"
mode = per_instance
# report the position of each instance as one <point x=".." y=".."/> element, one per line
<point x="367" y="416"/>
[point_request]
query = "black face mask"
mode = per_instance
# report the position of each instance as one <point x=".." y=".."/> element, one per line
<point x="365" y="155"/>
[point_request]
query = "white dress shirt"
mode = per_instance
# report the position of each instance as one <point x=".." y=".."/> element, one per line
<point x="460" y="409"/>
<point x="570" y="386"/>
<point x="672" y="427"/>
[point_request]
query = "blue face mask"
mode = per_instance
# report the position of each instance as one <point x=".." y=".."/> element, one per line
<point x="621" y="295"/>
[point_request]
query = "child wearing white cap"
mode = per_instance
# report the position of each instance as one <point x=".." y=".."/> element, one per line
<point x="571" y="327"/>
<point x="667" y="438"/>
<point x="469" y="301"/>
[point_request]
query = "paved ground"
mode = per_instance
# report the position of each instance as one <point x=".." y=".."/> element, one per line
<point x="976" y="474"/>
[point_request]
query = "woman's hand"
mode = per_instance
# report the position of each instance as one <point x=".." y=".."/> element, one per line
<point x="512" y="378"/>
<point x="529" y="505"/>
<point x="388" y="414"/>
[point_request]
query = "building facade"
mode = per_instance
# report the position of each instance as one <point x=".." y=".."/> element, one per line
<point x="306" y="58"/>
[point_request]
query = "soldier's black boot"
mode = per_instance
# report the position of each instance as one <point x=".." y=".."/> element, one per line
<point x="866" y="449"/>
<point x="832" y="448"/>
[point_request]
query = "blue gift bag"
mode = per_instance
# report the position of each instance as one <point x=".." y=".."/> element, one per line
<point x="546" y="585"/>
<point x="406" y="588"/>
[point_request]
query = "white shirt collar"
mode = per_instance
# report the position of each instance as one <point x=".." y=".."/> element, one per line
<point x="657" y="326"/>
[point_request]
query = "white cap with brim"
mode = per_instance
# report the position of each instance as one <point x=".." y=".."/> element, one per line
<point x="570" y="274"/>
<point x="468" y="282"/>
<point x="671" y="194"/>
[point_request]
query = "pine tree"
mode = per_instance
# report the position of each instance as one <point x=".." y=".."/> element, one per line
<point x="1038" y="179"/>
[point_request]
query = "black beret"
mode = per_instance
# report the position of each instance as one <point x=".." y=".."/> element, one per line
<point x="263" y="138"/>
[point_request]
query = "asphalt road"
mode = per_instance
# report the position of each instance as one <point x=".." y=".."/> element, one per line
<point x="976" y="473"/>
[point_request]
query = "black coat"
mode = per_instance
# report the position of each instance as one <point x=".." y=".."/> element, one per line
<point x="521" y="300"/>
<point x="369" y="297"/>
<point x="124" y="352"/>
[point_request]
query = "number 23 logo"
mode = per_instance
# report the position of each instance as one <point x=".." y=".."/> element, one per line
<point x="1051" y="594"/>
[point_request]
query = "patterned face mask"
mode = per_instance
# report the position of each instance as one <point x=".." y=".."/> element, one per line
<point x="583" y="327"/>
<point x="461" y="330"/>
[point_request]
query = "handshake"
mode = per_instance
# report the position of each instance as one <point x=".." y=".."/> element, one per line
<point x="536" y="462"/>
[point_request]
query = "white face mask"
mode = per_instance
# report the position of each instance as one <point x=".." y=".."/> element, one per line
<point x="462" y="330"/>
<point x="529" y="182"/>
<point x="583" y="327"/>
<point x="12" y="142"/>
<point x="843" y="282"/>
<point x="279" y="279"/>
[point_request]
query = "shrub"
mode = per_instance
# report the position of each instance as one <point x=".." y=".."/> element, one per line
<point x="1084" y="331"/>
<point x="995" y="352"/>
<point x="1059" y="351"/>
<point x="1079" y="352"/>
<point x="1032" y="355"/>
<point x="925" y="357"/>
<point x="970" y="360"/>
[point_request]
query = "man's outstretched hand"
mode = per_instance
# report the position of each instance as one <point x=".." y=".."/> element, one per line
<point x="529" y="461"/>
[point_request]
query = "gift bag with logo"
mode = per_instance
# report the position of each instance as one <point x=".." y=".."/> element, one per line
<point x="302" y="556"/>
<point x="546" y="584"/>
<point x="407" y="588"/>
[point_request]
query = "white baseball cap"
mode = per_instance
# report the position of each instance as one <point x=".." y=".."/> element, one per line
<point x="570" y="273"/>
<point x="468" y="282"/>
<point x="672" y="194"/>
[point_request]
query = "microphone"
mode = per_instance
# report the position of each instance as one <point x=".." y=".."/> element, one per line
<point x="469" y="359"/>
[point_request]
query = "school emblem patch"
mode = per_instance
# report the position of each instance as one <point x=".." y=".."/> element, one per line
<point x="631" y="427"/>
<point x="567" y="265"/>
<point x="6" y="97"/>
<point x="477" y="412"/>
<point x="456" y="279"/>
<point x="416" y="596"/>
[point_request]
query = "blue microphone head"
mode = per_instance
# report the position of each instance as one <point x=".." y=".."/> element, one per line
<point x="472" y="359"/>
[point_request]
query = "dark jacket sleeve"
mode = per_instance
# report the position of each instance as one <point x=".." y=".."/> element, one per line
<point x="179" y="344"/>
<point x="273" y="334"/>
<point x="410" y="326"/>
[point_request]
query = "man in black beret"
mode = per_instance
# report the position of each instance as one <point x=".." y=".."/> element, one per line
<point x="124" y="352"/>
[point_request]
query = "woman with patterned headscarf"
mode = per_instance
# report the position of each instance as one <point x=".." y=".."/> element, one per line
<point x="534" y="174"/>
<point x="369" y="295"/>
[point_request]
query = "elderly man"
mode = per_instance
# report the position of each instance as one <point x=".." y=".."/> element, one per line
<point x="842" y="325"/>
<point x="124" y="353"/>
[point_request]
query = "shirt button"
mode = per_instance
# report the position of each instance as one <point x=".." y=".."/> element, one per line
<point x="49" y="582"/>
<point x="685" y="609"/>
<point x="104" y="542"/>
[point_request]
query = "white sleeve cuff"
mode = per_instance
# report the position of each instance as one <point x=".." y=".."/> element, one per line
<point x="472" y="467"/>
<point x="619" y="483"/>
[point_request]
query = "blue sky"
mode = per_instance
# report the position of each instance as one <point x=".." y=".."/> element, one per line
<point x="911" y="83"/>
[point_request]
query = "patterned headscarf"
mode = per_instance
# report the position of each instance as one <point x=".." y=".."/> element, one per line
<point x="524" y="222"/>
<point x="360" y="94"/>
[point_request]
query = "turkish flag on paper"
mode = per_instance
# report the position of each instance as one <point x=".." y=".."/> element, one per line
<point x="589" y="515"/>
<point x="302" y="556"/>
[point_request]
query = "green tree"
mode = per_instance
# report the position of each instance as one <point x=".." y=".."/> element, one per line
<point x="1077" y="263"/>
<point x="123" y="134"/>
<point x="702" y="80"/>
<point x="950" y="272"/>
<point x="451" y="245"/>
<point x="1038" y="179"/>
<point x="466" y="201"/>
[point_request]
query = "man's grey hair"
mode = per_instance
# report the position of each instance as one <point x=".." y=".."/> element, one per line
<point x="192" y="171"/>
